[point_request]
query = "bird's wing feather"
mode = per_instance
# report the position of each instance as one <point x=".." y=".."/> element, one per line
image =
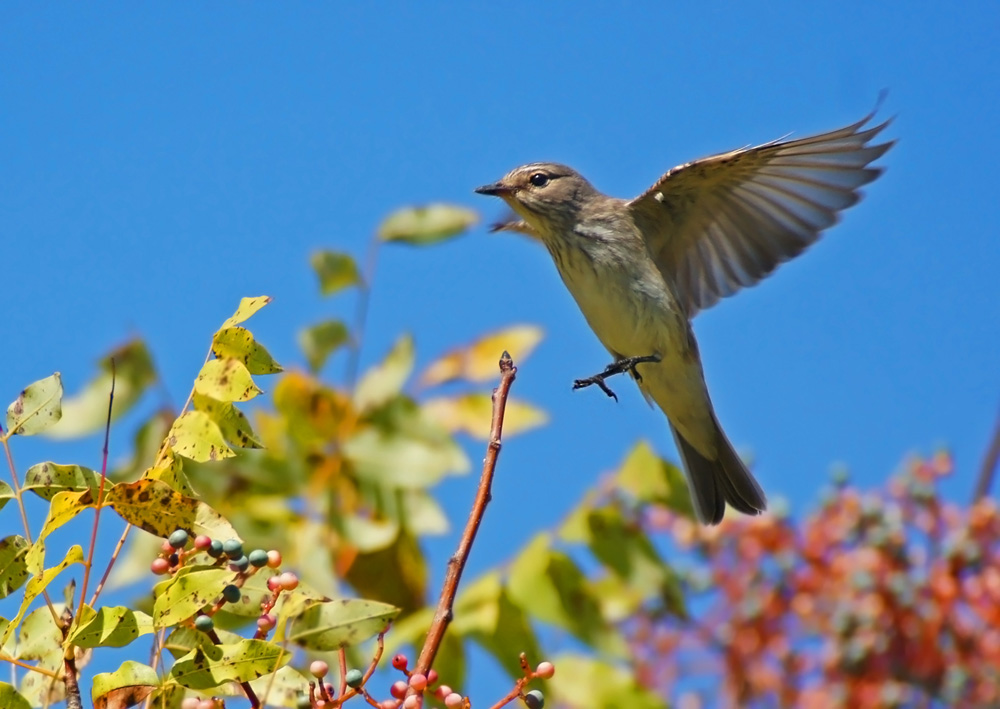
<point x="724" y="222"/>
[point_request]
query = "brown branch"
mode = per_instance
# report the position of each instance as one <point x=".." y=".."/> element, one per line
<point x="443" y="614"/>
<point x="989" y="466"/>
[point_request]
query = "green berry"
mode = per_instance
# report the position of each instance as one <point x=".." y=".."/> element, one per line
<point x="353" y="678"/>
<point x="215" y="549"/>
<point x="240" y="563"/>
<point x="233" y="548"/>
<point x="232" y="593"/>
<point x="258" y="557"/>
<point x="534" y="699"/>
<point x="204" y="623"/>
<point x="179" y="539"/>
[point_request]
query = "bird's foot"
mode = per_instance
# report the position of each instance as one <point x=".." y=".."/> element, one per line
<point x="626" y="364"/>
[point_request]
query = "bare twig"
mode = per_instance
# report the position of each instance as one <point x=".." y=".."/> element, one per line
<point x="443" y="614"/>
<point x="100" y="495"/>
<point x="989" y="466"/>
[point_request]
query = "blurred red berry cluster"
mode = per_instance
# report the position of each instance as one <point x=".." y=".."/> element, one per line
<point x="878" y="599"/>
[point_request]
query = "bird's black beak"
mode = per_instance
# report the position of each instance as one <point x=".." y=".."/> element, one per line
<point x="497" y="189"/>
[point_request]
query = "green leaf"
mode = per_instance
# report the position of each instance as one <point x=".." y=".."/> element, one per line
<point x="152" y="505"/>
<point x="649" y="478"/>
<point x="226" y="380"/>
<point x="585" y="682"/>
<point x="109" y="627"/>
<point x="37" y="584"/>
<point x="239" y="343"/>
<point x="550" y="586"/>
<point x="331" y="625"/>
<point x="404" y="448"/>
<point x="239" y="662"/>
<point x="385" y="380"/>
<point x="426" y="225"/>
<point x="321" y="340"/>
<point x="10" y="698"/>
<point x="248" y="306"/>
<point x="127" y="686"/>
<point x="6" y="494"/>
<point x="485" y="613"/>
<point x="335" y="270"/>
<point x="13" y="564"/>
<point x="36" y="408"/>
<point x="187" y="592"/>
<point x="232" y="423"/>
<point x="48" y="479"/>
<point x="196" y="436"/>
<point x="87" y="411"/>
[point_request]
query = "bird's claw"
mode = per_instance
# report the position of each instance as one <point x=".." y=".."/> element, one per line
<point x="626" y="364"/>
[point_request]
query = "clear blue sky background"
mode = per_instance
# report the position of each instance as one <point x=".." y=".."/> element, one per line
<point x="159" y="161"/>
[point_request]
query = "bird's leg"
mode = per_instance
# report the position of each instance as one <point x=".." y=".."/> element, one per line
<point x="625" y="364"/>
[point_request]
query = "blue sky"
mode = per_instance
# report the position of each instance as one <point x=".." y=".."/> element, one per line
<point x="159" y="161"/>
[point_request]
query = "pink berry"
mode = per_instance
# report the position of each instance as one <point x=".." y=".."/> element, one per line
<point x="545" y="670"/>
<point x="166" y="547"/>
<point x="443" y="691"/>
<point x="398" y="689"/>
<point x="159" y="566"/>
<point x="202" y="542"/>
<point x="418" y="681"/>
<point x="273" y="584"/>
<point x="432" y="676"/>
<point x="389" y="704"/>
<point x="318" y="669"/>
<point x="266" y="622"/>
<point x="190" y="703"/>
<point x="273" y="559"/>
<point x="453" y="700"/>
<point x="288" y="581"/>
<point x="411" y="702"/>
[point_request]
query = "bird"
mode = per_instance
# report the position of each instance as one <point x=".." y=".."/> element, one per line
<point x="640" y="270"/>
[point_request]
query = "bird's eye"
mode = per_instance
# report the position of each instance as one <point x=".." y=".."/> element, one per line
<point x="539" y="179"/>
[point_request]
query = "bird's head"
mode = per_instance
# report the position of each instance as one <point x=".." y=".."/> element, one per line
<point x="546" y="195"/>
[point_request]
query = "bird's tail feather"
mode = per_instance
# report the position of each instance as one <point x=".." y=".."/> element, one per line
<point x="713" y="483"/>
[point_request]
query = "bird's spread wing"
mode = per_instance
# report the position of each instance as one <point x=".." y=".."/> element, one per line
<point x="724" y="222"/>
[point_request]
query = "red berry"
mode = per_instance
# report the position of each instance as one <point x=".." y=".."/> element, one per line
<point x="400" y="662"/>
<point x="159" y="566"/>
<point x="398" y="689"/>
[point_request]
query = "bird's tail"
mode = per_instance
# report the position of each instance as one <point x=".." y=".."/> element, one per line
<point x="713" y="483"/>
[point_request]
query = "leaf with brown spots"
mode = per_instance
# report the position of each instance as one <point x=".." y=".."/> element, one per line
<point x="239" y="343"/>
<point x="248" y="306"/>
<point x="231" y="421"/>
<point x="48" y="479"/>
<point x="226" y="380"/>
<point x="192" y="588"/>
<point x="10" y="698"/>
<point x="196" y="436"/>
<point x="36" y="408"/>
<point x="126" y="687"/>
<point x="13" y="564"/>
<point x="237" y="662"/>
<point x="153" y="506"/>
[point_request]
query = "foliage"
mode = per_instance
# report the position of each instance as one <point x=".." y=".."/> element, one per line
<point x="288" y="541"/>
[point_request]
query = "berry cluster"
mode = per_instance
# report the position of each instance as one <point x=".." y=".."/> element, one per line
<point x="876" y="600"/>
<point x="174" y="552"/>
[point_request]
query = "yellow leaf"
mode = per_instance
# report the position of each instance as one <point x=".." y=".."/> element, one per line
<point x="226" y="380"/>
<point x="478" y="361"/>
<point x="248" y="306"/>
<point x="37" y="407"/>
<point x="239" y="343"/>
<point x="386" y="379"/>
<point x="196" y="436"/>
<point x="472" y="414"/>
